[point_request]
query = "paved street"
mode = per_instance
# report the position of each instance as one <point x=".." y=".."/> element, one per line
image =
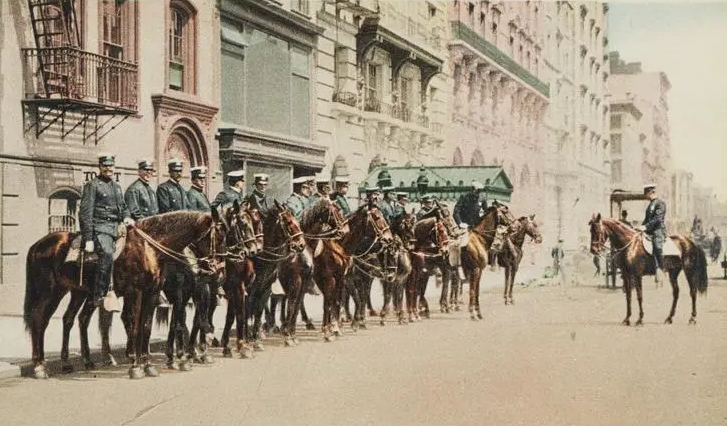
<point x="558" y="357"/>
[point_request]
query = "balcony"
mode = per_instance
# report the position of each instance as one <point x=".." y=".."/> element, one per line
<point x="364" y="8"/>
<point x="74" y="79"/>
<point x="346" y="98"/>
<point x="398" y="114"/>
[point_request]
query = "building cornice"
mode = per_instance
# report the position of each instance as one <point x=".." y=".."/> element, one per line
<point x="180" y="103"/>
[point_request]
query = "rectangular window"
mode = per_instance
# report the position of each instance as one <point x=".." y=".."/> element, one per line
<point x="615" y="121"/>
<point x="302" y="6"/>
<point x="616" y="171"/>
<point x="266" y="82"/>
<point x="176" y="50"/>
<point x="615" y="143"/>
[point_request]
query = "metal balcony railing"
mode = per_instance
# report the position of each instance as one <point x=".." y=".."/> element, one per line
<point x="61" y="223"/>
<point x="346" y="98"/>
<point x="74" y="74"/>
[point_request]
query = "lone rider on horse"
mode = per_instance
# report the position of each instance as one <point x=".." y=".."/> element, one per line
<point x="653" y="225"/>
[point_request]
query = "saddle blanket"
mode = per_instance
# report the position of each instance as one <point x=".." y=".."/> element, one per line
<point x="464" y="239"/>
<point x="74" y="253"/>
<point x="670" y="248"/>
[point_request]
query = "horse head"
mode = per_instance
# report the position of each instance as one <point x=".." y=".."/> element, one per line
<point x="324" y="220"/>
<point x="283" y="228"/>
<point x="242" y="239"/>
<point x="441" y="238"/>
<point x="598" y="234"/>
<point x="530" y="227"/>
<point x="379" y="225"/>
<point x="403" y="227"/>
<point x="445" y="216"/>
<point x="211" y="249"/>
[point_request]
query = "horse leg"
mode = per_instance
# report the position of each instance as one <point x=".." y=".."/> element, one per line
<point x="454" y="287"/>
<point x="84" y="319"/>
<point x="77" y="299"/>
<point x="423" y="303"/>
<point x="693" y="293"/>
<point x="387" y="285"/>
<point x="507" y="281"/>
<point x="368" y="283"/>
<point x="172" y="332"/>
<point x="229" y="319"/>
<point x="627" y="290"/>
<point x="135" y="371"/>
<point x="148" y="305"/>
<point x="127" y="317"/>
<point x="474" y="290"/>
<point x="443" y="306"/>
<point x="105" y="319"/>
<point x="515" y="268"/>
<point x="304" y="315"/>
<point x="239" y="315"/>
<point x="675" y="297"/>
<point x="640" y="300"/>
<point x="39" y="322"/>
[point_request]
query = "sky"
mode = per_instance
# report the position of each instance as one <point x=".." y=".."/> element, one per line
<point x="687" y="41"/>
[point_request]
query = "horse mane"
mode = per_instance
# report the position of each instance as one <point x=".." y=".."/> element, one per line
<point x="173" y="222"/>
<point x="423" y="227"/>
<point x="311" y="216"/>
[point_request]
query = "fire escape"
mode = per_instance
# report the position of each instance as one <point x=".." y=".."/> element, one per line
<point x="67" y="86"/>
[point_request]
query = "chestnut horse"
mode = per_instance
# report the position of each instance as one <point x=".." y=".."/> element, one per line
<point x="320" y="222"/>
<point x="402" y="227"/>
<point x="430" y="251"/>
<point x="482" y="239"/>
<point x="49" y="278"/>
<point x="630" y="256"/>
<point x="511" y="253"/>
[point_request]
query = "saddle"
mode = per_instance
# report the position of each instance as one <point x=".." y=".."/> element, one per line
<point x="669" y="249"/>
<point x="74" y="253"/>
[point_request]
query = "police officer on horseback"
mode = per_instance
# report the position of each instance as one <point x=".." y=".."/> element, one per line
<point x="234" y="190"/>
<point x="386" y="205"/>
<point x="257" y="199"/>
<point x="139" y="196"/>
<point x="427" y="206"/>
<point x="102" y="210"/>
<point x="197" y="199"/>
<point x="653" y="225"/>
<point x="298" y="200"/>
<point x="171" y="195"/>
<point x="400" y="206"/>
<point x="339" y="194"/>
<point x="323" y="188"/>
<point x="467" y="208"/>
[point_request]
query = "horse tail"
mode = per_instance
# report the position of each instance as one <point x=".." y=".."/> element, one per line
<point x="30" y="291"/>
<point x="162" y="316"/>
<point x="699" y="269"/>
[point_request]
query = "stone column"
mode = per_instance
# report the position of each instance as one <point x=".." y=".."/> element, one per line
<point x="457" y="58"/>
<point x="507" y="119"/>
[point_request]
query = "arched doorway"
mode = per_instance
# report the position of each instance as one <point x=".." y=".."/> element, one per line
<point x="458" y="159"/>
<point x="186" y="143"/>
<point x="63" y="210"/>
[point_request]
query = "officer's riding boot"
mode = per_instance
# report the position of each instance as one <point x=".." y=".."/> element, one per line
<point x="162" y="300"/>
<point x="111" y="302"/>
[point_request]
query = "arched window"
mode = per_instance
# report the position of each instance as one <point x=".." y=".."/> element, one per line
<point x="458" y="160"/>
<point x="63" y="210"/>
<point x="182" y="46"/>
<point x="477" y="158"/>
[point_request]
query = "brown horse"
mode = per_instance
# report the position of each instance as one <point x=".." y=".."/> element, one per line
<point x="482" y="238"/>
<point x="49" y="278"/>
<point x="430" y="251"/>
<point x="630" y="255"/>
<point x="246" y="236"/>
<point x="402" y="227"/>
<point x="320" y="222"/>
<point x="511" y="253"/>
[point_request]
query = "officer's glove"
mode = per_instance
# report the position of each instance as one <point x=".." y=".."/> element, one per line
<point x="463" y="225"/>
<point x="89" y="247"/>
<point x="129" y="221"/>
<point x="641" y="228"/>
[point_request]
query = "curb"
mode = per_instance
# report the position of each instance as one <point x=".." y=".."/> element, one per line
<point x="54" y="365"/>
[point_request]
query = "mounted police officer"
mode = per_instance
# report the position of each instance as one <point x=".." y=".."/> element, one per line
<point x="373" y="196"/>
<point x="234" y="190"/>
<point x="386" y="205"/>
<point x="298" y="200"/>
<point x="467" y="209"/>
<point x="139" y="196"/>
<point x="102" y="210"/>
<point x="427" y="206"/>
<point x="310" y="199"/>
<point x="400" y="206"/>
<point x="653" y="225"/>
<point x="339" y="194"/>
<point x="197" y="199"/>
<point x="171" y="195"/>
<point x="323" y="188"/>
<point x="257" y="199"/>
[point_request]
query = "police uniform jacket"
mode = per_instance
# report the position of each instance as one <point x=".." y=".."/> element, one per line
<point x="258" y="201"/>
<point x="172" y="197"/>
<point x="102" y="208"/>
<point x="399" y="209"/>
<point x="341" y="201"/>
<point x="467" y="208"/>
<point x="227" y="196"/>
<point x="654" y="219"/>
<point x="141" y="200"/>
<point x="297" y="203"/>
<point x="198" y="200"/>
<point x="386" y="210"/>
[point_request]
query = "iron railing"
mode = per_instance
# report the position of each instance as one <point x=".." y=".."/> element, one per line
<point x="346" y="98"/>
<point x="75" y="74"/>
<point x="61" y="223"/>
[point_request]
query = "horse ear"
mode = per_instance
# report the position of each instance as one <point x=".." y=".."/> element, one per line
<point x="598" y="217"/>
<point x="532" y="217"/>
<point x="236" y="206"/>
<point x="216" y="214"/>
<point x="277" y="204"/>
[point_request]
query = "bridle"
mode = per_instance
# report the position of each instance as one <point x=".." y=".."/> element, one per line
<point x="271" y="254"/>
<point x="244" y="235"/>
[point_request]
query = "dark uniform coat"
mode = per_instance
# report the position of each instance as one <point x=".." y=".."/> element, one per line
<point x="399" y="209"/>
<point x="424" y="211"/>
<point x="141" y="200"/>
<point x="386" y="210"/>
<point x="341" y="201"/>
<point x="259" y="201"/>
<point x="198" y="200"/>
<point x="654" y="218"/>
<point x="227" y="196"/>
<point x="172" y="197"/>
<point x="467" y="209"/>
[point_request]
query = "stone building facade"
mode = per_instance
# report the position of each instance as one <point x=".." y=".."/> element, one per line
<point x="133" y="78"/>
<point x="383" y="87"/>
<point x="626" y="142"/>
<point x="682" y="205"/>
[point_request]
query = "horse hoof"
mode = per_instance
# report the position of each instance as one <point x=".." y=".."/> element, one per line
<point x="638" y="323"/>
<point x="668" y="321"/>
<point x="258" y="347"/>
<point x="296" y="341"/>
<point x="136" y="373"/>
<point x="246" y="353"/>
<point x="692" y="321"/>
<point x="473" y="318"/>
<point x="373" y="313"/>
<point x="457" y="308"/>
<point x="172" y="365"/>
<point x="227" y="353"/>
<point x="276" y="330"/>
<point x="185" y="366"/>
<point x="328" y="338"/>
<point x="310" y="326"/>
<point x="215" y="343"/>
<point x="289" y="343"/>
<point x="110" y="361"/>
<point x="479" y="316"/>
<point x="382" y="322"/>
<point x="208" y="359"/>
<point x="364" y="326"/>
<point x="89" y="365"/>
<point x="39" y="372"/>
<point x="151" y="371"/>
<point x="626" y="322"/>
<point x="67" y="369"/>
